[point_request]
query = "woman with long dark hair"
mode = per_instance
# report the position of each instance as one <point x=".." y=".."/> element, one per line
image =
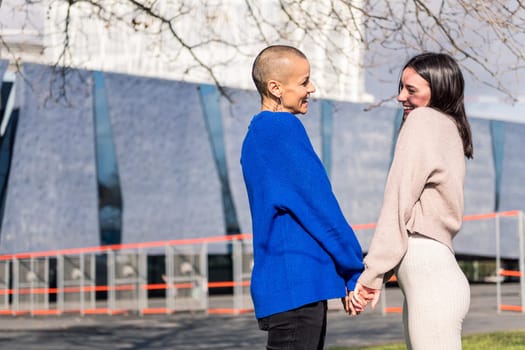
<point x="423" y="207"/>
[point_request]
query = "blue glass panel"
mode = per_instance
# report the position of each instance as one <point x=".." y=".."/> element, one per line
<point x="236" y="118"/>
<point x="512" y="191"/>
<point x="7" y="141"/>
<point x="8" y="121"/>
<point x="497" y="131"/>
<point x="109" y="194"/>
<point x="210" y="101"/>
<point x="3" y="68"/>
<point x="5" y="92"/>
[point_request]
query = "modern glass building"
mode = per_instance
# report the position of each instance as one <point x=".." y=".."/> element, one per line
<point x="119" y="158"/>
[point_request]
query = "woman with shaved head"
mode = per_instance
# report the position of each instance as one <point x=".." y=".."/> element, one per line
<point x="304" y="250"/>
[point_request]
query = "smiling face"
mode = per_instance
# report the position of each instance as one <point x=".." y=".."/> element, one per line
<point x="295" y="86"/>
<point x="414" y="91"/>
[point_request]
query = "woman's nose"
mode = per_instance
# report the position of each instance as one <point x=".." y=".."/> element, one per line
<point x="401" y="97"/>
<point x="311" y="88"/>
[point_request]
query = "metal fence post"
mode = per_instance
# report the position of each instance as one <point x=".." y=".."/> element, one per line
<point x="498" y="262"/>
<point x="170" y="272"/>
<point x="237" y="277"/>
<point x="32" y="276"/>
<point x="142" y="280"/>
<point x="93" y="280"/>
<point x="247" y="266"/>
<point x="522" y="260"/>
<point x="203" y="262"/>
<point x="46" y="281"/>
<point x="111" y="281"/>
<point x="6" y="277"/>
<point x="60" y="283"/>
<point x="82" y="268"/>
<point x="16" y="285"/>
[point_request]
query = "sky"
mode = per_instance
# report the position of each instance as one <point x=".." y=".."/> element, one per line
<point x="481" y="101"/>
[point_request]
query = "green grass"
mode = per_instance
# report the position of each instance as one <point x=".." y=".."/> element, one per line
<point x="494" y="341"/>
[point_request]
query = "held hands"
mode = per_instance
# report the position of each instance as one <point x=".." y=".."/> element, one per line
<point x="356" y="300"/>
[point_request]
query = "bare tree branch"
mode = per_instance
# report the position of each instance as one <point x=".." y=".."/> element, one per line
<point x="484" y="36"/>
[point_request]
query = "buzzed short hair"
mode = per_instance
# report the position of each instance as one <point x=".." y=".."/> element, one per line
<point x="263" y="66"/>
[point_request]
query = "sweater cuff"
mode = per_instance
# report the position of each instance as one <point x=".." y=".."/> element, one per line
<point x="371" y="279"/>
<point x="350" y="284"/>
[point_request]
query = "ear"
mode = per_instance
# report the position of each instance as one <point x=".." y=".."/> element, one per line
<point x="274" y="88"/>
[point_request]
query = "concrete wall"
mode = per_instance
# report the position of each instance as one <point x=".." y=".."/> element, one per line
<point x="168" y="177"/>
<point x="51" y="198"/>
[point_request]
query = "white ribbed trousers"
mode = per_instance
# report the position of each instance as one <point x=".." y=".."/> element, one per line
<point x="437" y="295"/>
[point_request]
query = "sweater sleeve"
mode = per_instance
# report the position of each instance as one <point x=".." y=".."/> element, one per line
<point x="411" y="167"/>
<point x="301" y="187"/>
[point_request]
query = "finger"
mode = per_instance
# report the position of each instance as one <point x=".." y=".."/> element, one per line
<point x="356" y="299"/>
<point x="369" y="294"/>
<point x="358" y="306"/>
<point x="345" y="301"/>
<point x="351" y="309"/>
<point x="366" y="294"/>
<point x="376" y="299"/>
<point x="348" y="305"/>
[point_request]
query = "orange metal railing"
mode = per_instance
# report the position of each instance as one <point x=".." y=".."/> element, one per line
<point x="125" y="287"/>
<point x="501" y="272"/>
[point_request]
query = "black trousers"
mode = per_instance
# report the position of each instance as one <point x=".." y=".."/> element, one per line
<point x="299" y="329"/>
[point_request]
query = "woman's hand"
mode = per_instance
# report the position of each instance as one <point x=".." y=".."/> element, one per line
<point x="351" y="303"/>
<point x="367" y="295"/>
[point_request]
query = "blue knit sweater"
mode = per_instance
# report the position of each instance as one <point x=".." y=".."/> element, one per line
<point x="304" y="249"/>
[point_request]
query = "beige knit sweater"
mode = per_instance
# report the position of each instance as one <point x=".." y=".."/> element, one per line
<point x="423" y="193"/>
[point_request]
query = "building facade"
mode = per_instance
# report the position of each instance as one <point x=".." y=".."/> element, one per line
<point x="135" y="142"/>
<point x="133" y="159"/>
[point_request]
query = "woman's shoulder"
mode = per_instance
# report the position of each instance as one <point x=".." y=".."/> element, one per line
<point x="428" y="118"/>
<point x="427" y="112"/>
<point x="269" y="116"/>
<point x="276" y="121"/>
<point x="276" y="124"/>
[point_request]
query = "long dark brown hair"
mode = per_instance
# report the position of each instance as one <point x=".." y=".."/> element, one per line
<point x="447" y="87"/>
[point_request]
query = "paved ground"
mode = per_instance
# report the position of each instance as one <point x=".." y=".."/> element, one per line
<point x="185" y="331"/>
